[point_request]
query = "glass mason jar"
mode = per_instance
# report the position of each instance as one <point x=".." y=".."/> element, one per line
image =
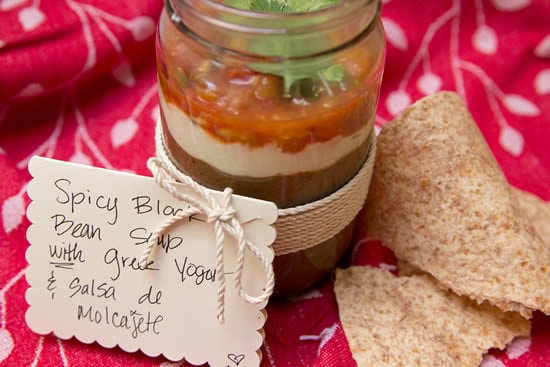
<point x="277" y="106"/>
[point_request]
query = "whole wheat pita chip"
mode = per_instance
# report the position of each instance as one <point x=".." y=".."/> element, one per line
<point x="440" y="201"/>
<point x="410" y="321"/>
<point x="537" y="213"/>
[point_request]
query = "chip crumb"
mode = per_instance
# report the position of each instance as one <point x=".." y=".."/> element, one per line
<point x="410" y="321"/>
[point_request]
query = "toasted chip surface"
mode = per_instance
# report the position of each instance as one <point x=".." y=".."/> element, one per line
<point x="439" y="199"/>
<point x="537" y="212"/>
<point x="410" y="321"/>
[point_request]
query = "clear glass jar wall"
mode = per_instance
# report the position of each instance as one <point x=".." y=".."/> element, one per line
<point x="276" y="106"/>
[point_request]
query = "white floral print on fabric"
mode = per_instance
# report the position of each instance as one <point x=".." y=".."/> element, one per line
<point x="491" y="361"/>
<point x="518" y="347"/>
<point x="123" y="74"/>
<point x="6" y="344"/>
<point x="395" y="34"/>
<point x="511" y="140"/>
<point x="141" y="28"/>
<point x="429" y="83"/>
<point x="543" y="48"/>
<point x="6" y="5"/>
<point x="397" y="101"/>
<point x="31" y="90"/>
<point x="325" y="336"/>
<point x="542" y="82"/>
<point x="510" y="110"/>
<point x="510" y="5"/>
<point x="123" y="131"/>
<point x="13" y="211"/>
<point x="485" y="40"/>
<point x="31" y="18"/>
<point x="520" y="105"/>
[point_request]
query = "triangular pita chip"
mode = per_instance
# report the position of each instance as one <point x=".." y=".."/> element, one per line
<point x="439" y="199"/>
<point x="409" y="321"/>
<point x="536" y="211"/>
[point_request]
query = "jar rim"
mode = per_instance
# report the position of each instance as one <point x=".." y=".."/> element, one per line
<point x="336" y="10"/>
<point x="224" y="17"/>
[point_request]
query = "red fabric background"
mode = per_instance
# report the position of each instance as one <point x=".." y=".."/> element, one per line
<point x="77" y="82"/>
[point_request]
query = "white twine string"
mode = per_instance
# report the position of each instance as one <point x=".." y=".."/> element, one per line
<point x="223" y="218"/>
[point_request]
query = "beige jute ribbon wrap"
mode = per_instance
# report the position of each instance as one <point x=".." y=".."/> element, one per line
<point x="298" y="228"/>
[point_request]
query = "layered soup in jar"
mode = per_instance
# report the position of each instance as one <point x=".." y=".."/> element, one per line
<point x="268" y="128"/>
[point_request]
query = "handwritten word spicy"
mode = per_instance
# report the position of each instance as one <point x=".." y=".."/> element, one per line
<point x="78" y="198"/>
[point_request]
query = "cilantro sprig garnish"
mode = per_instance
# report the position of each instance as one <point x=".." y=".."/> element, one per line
<point x="292" y="71"/>
<point x="281" y="6"/>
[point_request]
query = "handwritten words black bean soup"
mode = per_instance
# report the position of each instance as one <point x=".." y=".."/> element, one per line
<point x="89" y="229"/>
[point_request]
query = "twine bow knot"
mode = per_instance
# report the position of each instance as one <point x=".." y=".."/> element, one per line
<point x="224" y="213"/>
<point x="223" y="218"/>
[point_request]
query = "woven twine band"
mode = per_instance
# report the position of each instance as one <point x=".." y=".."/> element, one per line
<point x="305" y="226"/>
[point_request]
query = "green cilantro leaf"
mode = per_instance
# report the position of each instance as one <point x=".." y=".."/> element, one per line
<point x="270" y="6"/>
<point x="239" y="4"/>
<point x="304" y="6"/>
<point x="294" y="71"/>
<point x="334" y="73"/>
<point x="281" y="6"/>
<point x="291" y="71"/>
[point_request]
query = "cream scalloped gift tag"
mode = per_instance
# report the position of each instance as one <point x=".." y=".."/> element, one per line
<point x="90" y="227"/>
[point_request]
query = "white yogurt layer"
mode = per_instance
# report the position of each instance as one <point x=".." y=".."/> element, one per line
<point x="269" y="160"/>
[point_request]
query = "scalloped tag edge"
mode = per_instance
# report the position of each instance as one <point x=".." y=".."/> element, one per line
<point x="74" y="300"/>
